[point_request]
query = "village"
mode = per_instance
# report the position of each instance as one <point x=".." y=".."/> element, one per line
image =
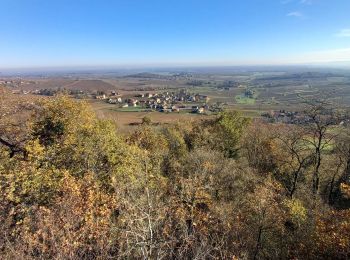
<point x="302" y="118"/>
<point x="286" y="117"/>
<point x="180" y="101"/>
<point x="162" y="102"/>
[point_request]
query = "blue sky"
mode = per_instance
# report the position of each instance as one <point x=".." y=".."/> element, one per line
<point x="55" y="33"/>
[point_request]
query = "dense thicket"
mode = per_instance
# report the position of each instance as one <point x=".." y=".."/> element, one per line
<point x="73" y="187"/>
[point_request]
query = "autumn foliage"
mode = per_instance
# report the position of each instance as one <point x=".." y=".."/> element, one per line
<point x="74" y="187"/>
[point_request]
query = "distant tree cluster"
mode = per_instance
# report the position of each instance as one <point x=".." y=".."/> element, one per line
<point x="227" y="84"/>
<point x="73" y="187"/>
<point x="195" y="83"/>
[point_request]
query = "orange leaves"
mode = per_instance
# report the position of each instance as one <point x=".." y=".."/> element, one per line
<point x="345" y="190"/>
<point x="332" y="234"/>
<point x="76" y="221"/>
<point x="209" y="166"/>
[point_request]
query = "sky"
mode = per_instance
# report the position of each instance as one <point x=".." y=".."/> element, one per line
<point x="68" y="33"/>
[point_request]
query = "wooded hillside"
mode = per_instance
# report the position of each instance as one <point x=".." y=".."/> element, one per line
<point x="73" y="187"/>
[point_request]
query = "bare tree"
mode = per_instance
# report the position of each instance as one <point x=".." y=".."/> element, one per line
<point x="15" y="113"/>
<point x="320" y="116"/>
<point x="296" y="157"/>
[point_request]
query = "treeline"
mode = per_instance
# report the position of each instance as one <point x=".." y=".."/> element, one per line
<point x="73" y="187"/>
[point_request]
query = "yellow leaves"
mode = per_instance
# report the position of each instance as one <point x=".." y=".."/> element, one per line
<point x="296" y="210"/>
<point x="345" y="190"/>
<point x="149" y="139"/>
<point x="61" y="117"/>
<point x="332" y="233"/>
<point x="78" y="217"/>
<point x="209" y="166"/>
<point x="35" y="150"/>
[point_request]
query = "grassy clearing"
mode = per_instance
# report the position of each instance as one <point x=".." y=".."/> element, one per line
<point x="327" y="147"/>
<point x="240" y="99"/>
<point x="130" y="109"/>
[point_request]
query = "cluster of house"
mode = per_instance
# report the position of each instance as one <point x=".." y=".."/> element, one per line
<point x="183" y="96"/>
<point x="20" y="92"/>
<point x="299" y="118"/>
<point x="14" y="83"/>
<point x="287" y="117"/>
<point x="163" y="102"/>
<point x="5" y="82"/>
<point x="112" y="95"/>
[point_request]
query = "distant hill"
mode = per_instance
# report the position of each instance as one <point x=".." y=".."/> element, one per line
<point x="147" y="75"/>
<point x="304" y="75"/>
<point x="90" y="85"/>
<point x="84" y="85"/>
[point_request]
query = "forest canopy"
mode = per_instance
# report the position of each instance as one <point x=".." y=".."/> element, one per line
<point x="226" y="187"/>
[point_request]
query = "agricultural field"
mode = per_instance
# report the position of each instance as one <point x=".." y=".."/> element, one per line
<point x="251" y="91"/>
<point x="245" y="100"/>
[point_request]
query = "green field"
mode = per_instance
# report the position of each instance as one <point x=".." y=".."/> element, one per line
<point x="241" y="99"/>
